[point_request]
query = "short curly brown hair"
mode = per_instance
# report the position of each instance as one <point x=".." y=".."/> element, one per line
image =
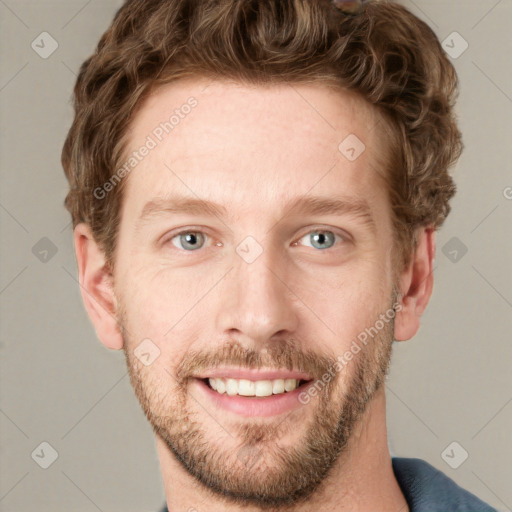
<point x="386" y="54"/>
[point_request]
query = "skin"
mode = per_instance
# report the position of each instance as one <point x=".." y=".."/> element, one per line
<point x="251" y="149"/>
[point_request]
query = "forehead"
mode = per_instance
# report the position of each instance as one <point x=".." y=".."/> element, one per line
<point x="253" y="147"/>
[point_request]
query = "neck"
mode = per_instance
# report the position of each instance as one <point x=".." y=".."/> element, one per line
<point x="362" y="480"/>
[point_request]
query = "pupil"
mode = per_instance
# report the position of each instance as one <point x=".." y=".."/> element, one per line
<point x="320" y="238"/>
<point x="190" y="240"/>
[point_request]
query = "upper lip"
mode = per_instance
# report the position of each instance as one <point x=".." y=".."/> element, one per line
<point x="242" y="373"/>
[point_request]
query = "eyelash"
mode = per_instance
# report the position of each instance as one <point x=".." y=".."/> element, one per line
<point x="338" y="236"/>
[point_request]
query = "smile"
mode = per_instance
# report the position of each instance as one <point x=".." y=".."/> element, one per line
<point x="259" y="388"/>
<point x="250" y="404"/>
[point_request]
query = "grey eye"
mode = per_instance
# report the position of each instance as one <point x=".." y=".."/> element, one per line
<point x="189" y="240"/>
<point x="321" y="239"/>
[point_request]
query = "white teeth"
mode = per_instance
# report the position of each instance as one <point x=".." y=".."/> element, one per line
<point x="246" y="387"/>
<point x="263" y="388"/>
<point x="220" y="386"/>
<point x="290" y="384"/>
<point x="231" y="386"/>
<point x="278" y="386"/>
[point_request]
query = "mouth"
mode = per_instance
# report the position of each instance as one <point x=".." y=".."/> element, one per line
<point x="253" y="398"/>
<point x="253" y="389"/>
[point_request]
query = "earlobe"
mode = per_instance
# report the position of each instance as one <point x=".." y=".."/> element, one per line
<point x="96" y="287"/>
<point x="416" y="284"/>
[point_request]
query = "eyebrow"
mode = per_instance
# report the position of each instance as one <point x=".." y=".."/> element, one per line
<point x="305" y="204"/>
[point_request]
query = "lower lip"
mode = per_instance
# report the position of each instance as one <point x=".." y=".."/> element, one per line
<point x="250" y="406"/>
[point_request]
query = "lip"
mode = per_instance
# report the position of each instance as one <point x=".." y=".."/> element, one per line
<point x="241" y="373"/>
<point x="253" y="406"/>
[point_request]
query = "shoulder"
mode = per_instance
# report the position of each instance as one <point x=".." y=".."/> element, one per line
<point x="427" y="489"/>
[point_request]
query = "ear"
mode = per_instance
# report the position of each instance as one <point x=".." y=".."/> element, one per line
<point x="416" y="283"/>
<point x="96" y="287"/>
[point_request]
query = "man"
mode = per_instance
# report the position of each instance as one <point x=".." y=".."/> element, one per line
<point x="255" y="190"/>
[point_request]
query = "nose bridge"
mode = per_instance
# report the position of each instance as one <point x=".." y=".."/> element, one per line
<point x="257" y="302"/>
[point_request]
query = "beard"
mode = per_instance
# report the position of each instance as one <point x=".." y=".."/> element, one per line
<point x="247" y="462"/>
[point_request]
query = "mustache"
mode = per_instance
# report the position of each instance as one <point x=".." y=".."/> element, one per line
<point x="278" y="355"/>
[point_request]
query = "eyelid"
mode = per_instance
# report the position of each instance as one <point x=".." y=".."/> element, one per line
<point x="340" y="233"/>
<point x="168" y="236"/>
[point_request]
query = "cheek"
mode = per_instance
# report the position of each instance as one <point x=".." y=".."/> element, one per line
<point x="342" y="302"/>
<point x="163" y="306"/>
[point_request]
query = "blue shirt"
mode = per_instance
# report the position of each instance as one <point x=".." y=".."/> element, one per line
<point x="427" y="489"/>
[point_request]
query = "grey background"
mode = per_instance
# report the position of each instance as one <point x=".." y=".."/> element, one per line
<point x="452" y="382"/>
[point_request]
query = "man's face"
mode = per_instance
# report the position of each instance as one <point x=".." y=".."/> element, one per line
<point x="258" y="285"/>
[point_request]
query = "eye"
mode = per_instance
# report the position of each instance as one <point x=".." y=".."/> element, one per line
<point x="191" y="240"/>
<point x="188" y="240"/>
<point x="321" y="238"/>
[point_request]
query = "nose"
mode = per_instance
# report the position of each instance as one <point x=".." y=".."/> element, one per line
<point x="257" y="300"/>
